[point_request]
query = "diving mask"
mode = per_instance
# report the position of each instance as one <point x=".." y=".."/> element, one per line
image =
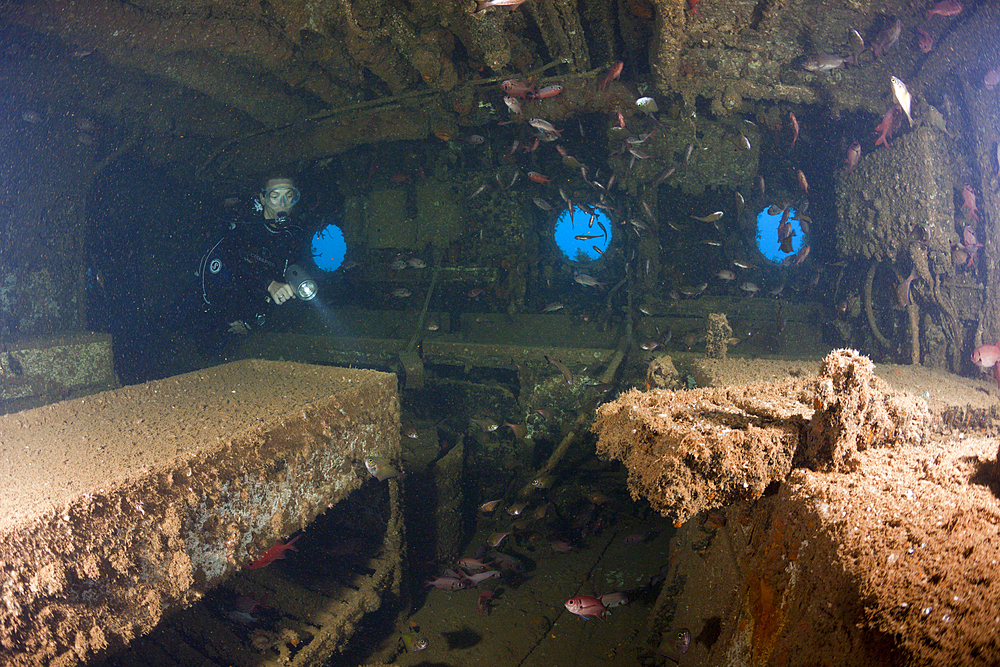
<point x="281" y="196"/>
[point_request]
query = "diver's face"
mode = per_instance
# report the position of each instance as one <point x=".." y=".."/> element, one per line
<point x="278" y="197"/>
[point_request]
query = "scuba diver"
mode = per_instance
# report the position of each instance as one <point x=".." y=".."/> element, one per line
<point x="251" y="267"/>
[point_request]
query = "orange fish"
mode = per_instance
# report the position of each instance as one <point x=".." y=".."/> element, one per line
<point x="803" y="183"/>
<point x="538" y="178"/>
<point x="274" y="553"/>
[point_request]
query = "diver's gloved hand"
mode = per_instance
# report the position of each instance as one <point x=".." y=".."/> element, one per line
<point x="280" y="292"/>
<point x="239" y="327"/>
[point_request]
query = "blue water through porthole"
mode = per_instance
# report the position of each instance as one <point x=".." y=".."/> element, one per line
<point x="579" y="240"/>
<point x="329" y="248"/>
<point x="767" y="235"/>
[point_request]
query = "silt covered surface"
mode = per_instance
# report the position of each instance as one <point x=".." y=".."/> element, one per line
<point x="124" y="506"/>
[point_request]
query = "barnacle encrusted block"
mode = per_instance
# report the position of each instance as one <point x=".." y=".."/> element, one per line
<point x="121" y="507"/>
<point x="692" y="450"/>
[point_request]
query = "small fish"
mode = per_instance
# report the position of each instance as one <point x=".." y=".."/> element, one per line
<point x="822" y="62"/>
<point x="937" y="120"/>
<point x="853" y="156"/>
<point x="892" y="28"/>
<point x="902" y="96"/>
<point x="496" y="538"/>
<point x="726" y="274"/>
<point x="614" y="73"/>
<point x="544" y="126"/>
<point x="903" y="290"/>
<point x="380" y="468"/>
<point x="562" y="369"/>
<point x="597" y="250"/>
<point x="743" y="142"/>
<point x="476" y="192"/>
<point x="414" y="641"/>
<point x="667" y="173"/>
<point x="803" y="183"/>
<point x="538" y="178"/>
<point x="519" y="430"/>
<point x="587" y="237"/>
<point x="543" y="482"/>
<point x="743" y="265"/>
<point x="795" y="128"/>
<point x="945" y="9"/>
<point x="486" y="4"/>
<point x="416" y="263"/>
<point x="398" y="265"/>
<point x="588" y="281"/>
<point x="542" y="204"/>
<point x="547" y="91"/>
<point x="675" y="644"/>
<point x="489" y="506"/>
<point x="740" y="205"/>
<point x="925" y="42"/>
<point x="750" y="288"/>
<point x="587" y="605"/>
<point x="857" y="44"/>
<point x="277" y="552"/>
<point x="488" y="425"/>
<point x="400" y="293"/>
<point x="647" y="105"/>
<point x="711" y="217"/>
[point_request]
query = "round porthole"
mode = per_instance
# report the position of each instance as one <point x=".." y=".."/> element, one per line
<point x="767" y="236"/>
<point x="581" y="239"/>
<point x="329" y="248"/>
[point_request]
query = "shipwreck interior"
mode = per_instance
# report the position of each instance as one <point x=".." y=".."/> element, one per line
<point x="689" y="287"/>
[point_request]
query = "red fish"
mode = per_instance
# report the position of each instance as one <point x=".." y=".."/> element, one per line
<point x="517" y="88"/>
<point x="803" y="183"/>
<point x="538" y="178"/>
<point x="925" y="42"/>
<point x="587" y="605"/>
<point x="853" y="156"/>
<point x="795" y="127"/>
<point x="945" y="8"/>
<point x="484" y="602"/>
<point x="276" y="552"/>
<point x="890" y="121"/>
<point x="693" y="6"/>
<point x="969" y="202"/>
<point x="613" y="74"/>
<point x="547" y="91"/>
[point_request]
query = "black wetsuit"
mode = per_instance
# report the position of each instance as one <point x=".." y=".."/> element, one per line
<point x="237" y="270"/>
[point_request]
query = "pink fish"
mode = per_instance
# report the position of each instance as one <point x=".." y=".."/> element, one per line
<point x="472" y="564"/>
<point x="486" y="4"/>
<point x="986" y="356"/>
<point x="795" y="127"/>
<point x="853" y="156"/>
<point x="945" y="8"/>
<point x="277" y="552"/>
<point x="586" y="605"/>
<point x="969" y="202"/>
<point x="613" y="74"/>
<point x="513" y="104"/>
<point x="518" y="88"/>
